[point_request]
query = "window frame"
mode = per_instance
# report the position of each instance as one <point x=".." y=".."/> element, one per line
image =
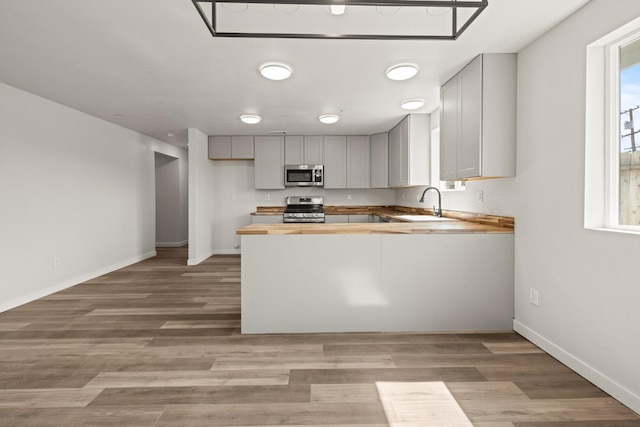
<point x="602" y="131"/>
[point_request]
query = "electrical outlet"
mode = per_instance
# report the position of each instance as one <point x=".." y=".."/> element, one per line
<point x="534" y="297"/>
<point x="348" y="196"/>
<point x="57" y="262"/>
<point x="267" y="197"/>
<point x="480" y="196"/>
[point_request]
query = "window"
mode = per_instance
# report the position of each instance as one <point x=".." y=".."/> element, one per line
<point x="452" y="185"/>
<point x="612" y="168"/>
<point x="629" y="153"/>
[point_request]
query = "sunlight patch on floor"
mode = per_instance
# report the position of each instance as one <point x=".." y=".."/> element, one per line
<point x="413" y="404"/>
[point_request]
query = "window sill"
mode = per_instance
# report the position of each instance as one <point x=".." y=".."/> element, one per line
<point x="635" y="230"/>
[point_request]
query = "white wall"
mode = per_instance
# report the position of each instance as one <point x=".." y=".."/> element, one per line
<point x="235" y="178"/>
<point x="201" y="199"/>
<point x="588" y="280"/>
<point x="171" y="200"/>
<point x="498" y="195"/>
<point x="77" y="196"/>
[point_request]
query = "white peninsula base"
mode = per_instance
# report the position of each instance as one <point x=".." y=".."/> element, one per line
<point x="377" y="282"/>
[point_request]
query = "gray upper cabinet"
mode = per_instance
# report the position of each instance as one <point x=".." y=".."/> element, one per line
<point x="395" y="153"/>
<point x="477" y="129"/>
<point x="303" y="150"/>
<point x="409" y="152"/>
<point x="335" y="162"/>
<point x="313" y="149"/>
<point x="380" y="160"/>
<point x="269" y="162"/>
<point x="449" y="131"/>
<point x="358" y="162"/>
<point x="231" y="147"/>
<point x="293" y="150"/>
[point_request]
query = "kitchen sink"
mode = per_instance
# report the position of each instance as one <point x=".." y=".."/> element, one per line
<point x="423" y="218"/>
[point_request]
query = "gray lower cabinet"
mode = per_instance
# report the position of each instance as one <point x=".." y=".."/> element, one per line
<point x="266" y="219"/>
<point x="353" y="219"/>
<point x="334" y="219"/>
<point x="269" y="162"/>
<point x="359" y="218"/>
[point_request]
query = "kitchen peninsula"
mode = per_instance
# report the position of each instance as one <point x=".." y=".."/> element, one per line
<point x="377" y="277"/>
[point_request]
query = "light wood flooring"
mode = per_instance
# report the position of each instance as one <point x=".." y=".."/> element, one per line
<point x="158" y="344"/>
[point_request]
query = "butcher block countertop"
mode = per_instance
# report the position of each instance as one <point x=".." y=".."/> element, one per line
<point x="405" y="221"/>
<point x="440" y="227"/>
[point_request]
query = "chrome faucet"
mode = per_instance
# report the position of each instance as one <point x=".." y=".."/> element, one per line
<point x="435" y="212"/>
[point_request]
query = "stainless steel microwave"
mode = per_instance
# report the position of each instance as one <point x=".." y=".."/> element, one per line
<point x="304" y="176"/>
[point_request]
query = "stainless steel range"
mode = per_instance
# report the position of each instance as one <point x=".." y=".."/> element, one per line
<point x="304" y="209"/>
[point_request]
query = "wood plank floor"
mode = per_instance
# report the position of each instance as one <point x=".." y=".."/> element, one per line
<point x="158" y="344"/>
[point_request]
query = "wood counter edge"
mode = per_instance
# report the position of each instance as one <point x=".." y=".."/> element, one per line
<point x="392" y="212"/>
<point x="462" y="227"/>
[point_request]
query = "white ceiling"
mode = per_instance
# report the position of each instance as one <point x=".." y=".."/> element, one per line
<point x="152" y="66"/>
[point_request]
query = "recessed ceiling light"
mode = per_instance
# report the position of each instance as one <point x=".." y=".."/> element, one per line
<point x="402" y="71"/>
<point x="438" y="11"/>
<point x="337" y="9"/>
<point x="250" y="119"/>
<point x="273" y="71"/>
<point x="412" y="104"/>
<point x="329" y="118"/>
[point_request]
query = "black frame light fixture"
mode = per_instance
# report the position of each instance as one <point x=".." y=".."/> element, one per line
<point x="472" y="9"/>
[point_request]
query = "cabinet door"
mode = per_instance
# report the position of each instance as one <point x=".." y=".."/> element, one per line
<point x="380" y="160"/>
<point x="470" y="116"/>
<point x="335" y="219"/>
<point x="359" y="218"/>
<point x="313" y="150"/>
<point x="242" y="147"/>
<point x="266" y="219"/>
<point x="358" y="162"/>
<point x="335" y="162"/>
<point x="293" y="150"/>
<point x="404" y="152"/>
<point x="220" y="147"/>
<point x="419" y="154"/>
<point x="449" y="130"/>
<point x="269" y="163"/>
<point x="395" y="153"/>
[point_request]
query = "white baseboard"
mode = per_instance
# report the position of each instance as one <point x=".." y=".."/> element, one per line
<point x="624" y="395"/>
<point x="226" y="252"/>
<point x="172" y="244"/>
<point x="196" y="261"/>
<point x="32" y="296"/>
